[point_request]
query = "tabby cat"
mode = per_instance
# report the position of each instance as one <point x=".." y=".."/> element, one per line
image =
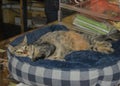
<point x="55" y="45"/>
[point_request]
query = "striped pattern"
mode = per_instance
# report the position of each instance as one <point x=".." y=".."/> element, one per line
<point x="41" y="76"/>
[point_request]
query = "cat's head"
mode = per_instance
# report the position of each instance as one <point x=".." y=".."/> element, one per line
<point x="21" y="49"/>
<point x="33" y="51"/>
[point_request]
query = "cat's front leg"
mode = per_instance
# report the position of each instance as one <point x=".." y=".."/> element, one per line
<point x="58" y="55"/>
<point x="103" y="47"/>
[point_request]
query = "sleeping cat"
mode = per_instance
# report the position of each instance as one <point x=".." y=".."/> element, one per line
<point x="55" y="45"/>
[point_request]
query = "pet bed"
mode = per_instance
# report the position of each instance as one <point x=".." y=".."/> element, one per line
<point x="81" y="68"/>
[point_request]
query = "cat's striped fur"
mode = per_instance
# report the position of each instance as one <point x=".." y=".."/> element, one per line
<point x="57" y="44"/>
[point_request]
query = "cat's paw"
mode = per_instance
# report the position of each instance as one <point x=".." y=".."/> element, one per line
<point x="103" y="47"/>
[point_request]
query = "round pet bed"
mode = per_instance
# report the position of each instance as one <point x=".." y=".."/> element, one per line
<point x="81" y="68"/>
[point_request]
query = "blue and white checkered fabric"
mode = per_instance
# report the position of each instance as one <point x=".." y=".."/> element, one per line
<point x="42" y="76"/>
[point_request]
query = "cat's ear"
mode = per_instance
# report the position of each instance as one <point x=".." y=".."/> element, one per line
<point x="11" y="48"/>
<point x="24" y="40"/>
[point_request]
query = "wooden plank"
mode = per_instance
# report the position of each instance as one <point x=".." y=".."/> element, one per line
<point x="23" y="15"/>
<point x="1" y="17"/>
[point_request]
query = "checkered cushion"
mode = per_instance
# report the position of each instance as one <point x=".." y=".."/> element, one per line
<point x="38" y="75"/>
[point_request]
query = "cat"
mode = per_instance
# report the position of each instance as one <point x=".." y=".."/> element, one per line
<point x="57" y="44"/>
<point x="32" y="50"/>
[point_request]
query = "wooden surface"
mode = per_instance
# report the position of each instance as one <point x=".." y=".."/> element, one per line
<point x="4" y="78"/>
